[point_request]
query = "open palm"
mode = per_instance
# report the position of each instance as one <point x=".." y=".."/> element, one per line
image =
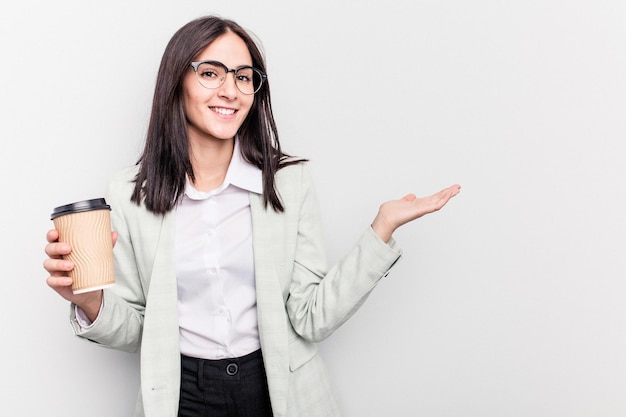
<point x="393" y="214"/>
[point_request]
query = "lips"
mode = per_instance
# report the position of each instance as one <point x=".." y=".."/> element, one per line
<point x="223" y="111"/>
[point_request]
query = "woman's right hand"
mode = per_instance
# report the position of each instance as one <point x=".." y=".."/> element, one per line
<point x="61" y="282"/>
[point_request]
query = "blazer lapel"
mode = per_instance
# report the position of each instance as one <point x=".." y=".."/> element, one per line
<point x="272" y="316"/>
<point x="160" y="347"/>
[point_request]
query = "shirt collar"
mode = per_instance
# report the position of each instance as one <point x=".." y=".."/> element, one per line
<point x="240" y="174"/>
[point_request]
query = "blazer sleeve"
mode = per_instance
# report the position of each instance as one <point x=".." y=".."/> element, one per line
<point x="320" y="300"/>
<point x="119" y="324"/>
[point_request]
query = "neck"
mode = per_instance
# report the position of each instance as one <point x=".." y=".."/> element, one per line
<point x="210" y="162"/>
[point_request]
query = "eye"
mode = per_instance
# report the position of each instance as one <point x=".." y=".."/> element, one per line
<point x="244" y="75"/>
<point x="210" y="71"/>
<point x="208" y="74"/>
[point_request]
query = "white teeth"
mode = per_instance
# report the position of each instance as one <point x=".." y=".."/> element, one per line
<point x="223" y="111"/>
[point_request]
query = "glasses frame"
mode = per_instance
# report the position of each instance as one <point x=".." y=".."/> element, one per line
<point x="196" y="64"/>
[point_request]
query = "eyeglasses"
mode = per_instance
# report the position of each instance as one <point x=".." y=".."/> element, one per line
<point x="212" y="74"/>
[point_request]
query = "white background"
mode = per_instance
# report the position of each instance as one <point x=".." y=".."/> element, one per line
<point x="509" y="302"/>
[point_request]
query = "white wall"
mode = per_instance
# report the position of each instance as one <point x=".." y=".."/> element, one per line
<point x="509" y="302"/>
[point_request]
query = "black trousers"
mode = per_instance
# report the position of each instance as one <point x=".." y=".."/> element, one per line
<point x="224" y="388"/>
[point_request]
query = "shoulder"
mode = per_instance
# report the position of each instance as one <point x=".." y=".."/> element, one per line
<point x="121" y="185"/>
<point x="295" y="185"/>
<point x="125" y="175"/>
<point x="296" y="172"/>
<point x="294" y="181"/>
<point x="123" y="180"/>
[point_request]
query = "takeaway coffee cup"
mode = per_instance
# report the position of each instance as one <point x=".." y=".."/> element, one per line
<point x="86" y="226"/>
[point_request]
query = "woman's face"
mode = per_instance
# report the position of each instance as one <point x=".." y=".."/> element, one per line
<point x="217" y="114"/>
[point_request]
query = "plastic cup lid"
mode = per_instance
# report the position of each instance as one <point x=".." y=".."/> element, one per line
<point x="85" y="205"/>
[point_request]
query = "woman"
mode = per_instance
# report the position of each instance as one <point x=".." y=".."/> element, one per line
<point x="221" y="276"/>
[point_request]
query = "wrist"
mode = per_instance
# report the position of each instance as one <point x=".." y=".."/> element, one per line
<point x="91" y="304"/>
<point x="382" y="229"/>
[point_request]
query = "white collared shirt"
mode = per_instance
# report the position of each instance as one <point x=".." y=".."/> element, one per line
<point x="215" y="266"/>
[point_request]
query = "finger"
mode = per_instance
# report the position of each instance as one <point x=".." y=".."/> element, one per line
<point x="52" y="235"/>
<point x="57" y="249"/>
<point x="114" y="236"/>
<point x="443" y="196"/>
<point x="454" y="189"/>
<point x="58" y="267"/>
<point x="59" y="282"/>
<point x="449" y="192"/>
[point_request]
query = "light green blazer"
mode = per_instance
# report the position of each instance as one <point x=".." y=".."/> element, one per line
<point x="299" y="300"/>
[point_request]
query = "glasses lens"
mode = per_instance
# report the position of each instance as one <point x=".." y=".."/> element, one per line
<point x="213" y="74"/>
<point x="210" y="75"/>
<point x="248" y="80"/>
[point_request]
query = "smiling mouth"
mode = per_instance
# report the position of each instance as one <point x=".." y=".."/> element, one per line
<point x="223" y="111"/>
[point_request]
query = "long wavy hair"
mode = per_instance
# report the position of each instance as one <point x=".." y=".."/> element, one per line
<point x="165" y="159"/>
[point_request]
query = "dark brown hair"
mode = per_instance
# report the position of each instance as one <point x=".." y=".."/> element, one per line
<point x="165" y="160"/>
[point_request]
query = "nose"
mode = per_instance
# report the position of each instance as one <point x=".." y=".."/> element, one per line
<point x="229" y="87"/>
